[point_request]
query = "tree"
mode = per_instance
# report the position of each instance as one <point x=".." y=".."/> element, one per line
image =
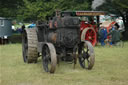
<point x="36" y="10"/>
<point x="39" y="9"/>
<point x="8" y="8"/>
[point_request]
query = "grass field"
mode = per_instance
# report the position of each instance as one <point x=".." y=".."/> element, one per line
<point x="111" y="68"/>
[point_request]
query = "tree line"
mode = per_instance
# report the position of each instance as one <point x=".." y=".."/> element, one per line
<point x="39" y="9"/>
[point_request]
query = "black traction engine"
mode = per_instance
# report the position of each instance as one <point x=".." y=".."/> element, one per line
<point x="58" y="38"/>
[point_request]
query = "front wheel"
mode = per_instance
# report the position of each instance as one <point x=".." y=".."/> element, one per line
<point x="86" y="55"/>
<point x="49" y="58"/>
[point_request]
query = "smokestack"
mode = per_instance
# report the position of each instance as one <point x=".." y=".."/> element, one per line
<point x="97" y="3"/>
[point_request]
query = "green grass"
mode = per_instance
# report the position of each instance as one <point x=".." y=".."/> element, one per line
<point x="111" y="68"/>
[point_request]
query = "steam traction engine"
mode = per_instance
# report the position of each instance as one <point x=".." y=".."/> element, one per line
<point x="60" y="37"/>
<point x="89" y="25"/>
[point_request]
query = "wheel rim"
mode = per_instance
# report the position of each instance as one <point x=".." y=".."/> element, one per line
<point x="86" y="56"/>
<point x="91" y="36"/>
<point x="49" y="58"/>
<point x="25" y="46"/>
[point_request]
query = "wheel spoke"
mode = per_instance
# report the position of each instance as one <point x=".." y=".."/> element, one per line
<point x="87" y="49"/>
<point x="83" y="63"/>
<point x="83" y="60"/>
<point x="45" y="64"/>
<point x="88" y="60"/>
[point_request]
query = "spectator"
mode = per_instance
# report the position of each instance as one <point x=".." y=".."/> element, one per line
<point x="22" y="28"/>
<point x="119" y="21"/>
<point x="121" y="26"/>
<point x="115" y="35"/>
<point x="13" y="27"/>
<point x="110" y="36"/>
<point x="102" y="35"/>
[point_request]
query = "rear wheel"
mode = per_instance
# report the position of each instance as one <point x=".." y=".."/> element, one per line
<point x="89" y="34"/>
<point x="29" y="45"/>
<point x="49" y="58"/>
<point x="86" y="55"/>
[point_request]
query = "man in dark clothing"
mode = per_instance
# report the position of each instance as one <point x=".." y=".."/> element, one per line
<point x="22" y="28"/>
<point x="115" y="35"/>
<point x="102" y="35"/>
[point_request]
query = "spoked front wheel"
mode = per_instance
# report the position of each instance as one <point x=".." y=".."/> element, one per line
<point x="49" y="58"/>
<point x="86" y="55"/>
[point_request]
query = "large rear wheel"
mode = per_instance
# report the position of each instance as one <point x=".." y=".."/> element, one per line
<point x="86" y="55"/>
<point x="29" y="45"/>
<point x="89" y="34"/>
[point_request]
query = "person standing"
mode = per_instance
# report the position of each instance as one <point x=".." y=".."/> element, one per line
<point x="22" y="28"/>
<point x="120" y="22"/>
<point x="110" y="36"/>
<point x="115" y="35"/>
<point x="102" y="35"/>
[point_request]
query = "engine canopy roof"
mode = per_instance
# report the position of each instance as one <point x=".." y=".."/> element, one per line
<point x="82" y="13"/>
